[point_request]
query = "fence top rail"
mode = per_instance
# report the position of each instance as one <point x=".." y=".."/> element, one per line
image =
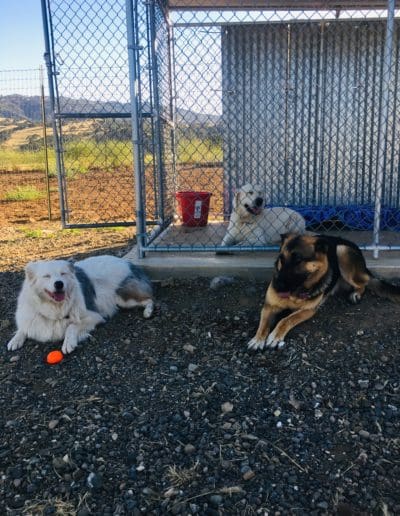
<point x="277" y="4"/>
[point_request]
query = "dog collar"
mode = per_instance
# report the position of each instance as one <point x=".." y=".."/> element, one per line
<point x="319" y="288"/>
<point x="310" y="294"/>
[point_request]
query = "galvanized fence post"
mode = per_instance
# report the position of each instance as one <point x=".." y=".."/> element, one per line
<point x="45" y="143"/>
<point x="136" y="137"/>
<point x="52" y="96"/>
<point x="156" y="112"/>
<point x="384" y="115"/>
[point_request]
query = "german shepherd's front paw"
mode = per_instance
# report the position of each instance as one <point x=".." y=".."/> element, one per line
<point x="274" y="341"/>
<point x="255" y="344"/>
<point x="354" y="298"/>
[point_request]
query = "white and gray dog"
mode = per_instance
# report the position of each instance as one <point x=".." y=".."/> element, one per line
<point x="60" y="300"/>
<point x="252" y="224"/>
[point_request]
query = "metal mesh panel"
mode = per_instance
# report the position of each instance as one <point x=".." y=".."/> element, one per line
<point x="28" y="186"/>
<point x="293" y="102"/>
<point x="90" y="55"/>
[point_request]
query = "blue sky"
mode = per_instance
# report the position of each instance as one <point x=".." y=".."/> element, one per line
<point x="21" y="34"/>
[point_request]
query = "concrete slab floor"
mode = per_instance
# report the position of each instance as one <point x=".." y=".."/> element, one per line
<point x="254" y="265"/>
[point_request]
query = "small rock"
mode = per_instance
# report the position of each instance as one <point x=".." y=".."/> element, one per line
<point x="216" y="500"/>
<point x="221" y="281"/>
<point x="4" y="323"/>
<point x="189" y="348"/>
<point x="189" y="449"/>
<point x="59" y="463"/>
<point x="53" y="423"/>
<point x="362" y="458"/>
<point x="363" y="384"/>
<point x="114" y="436"/>
<point x="94" y="481"/>
<point x="364" y="433"/>
<point x="192" y="368"/>
<point x="277" y="413"/>
<point x="173" y="368"/>
<point x="227" y="407"/>
<point x="148" y="491"/>
<point x="14" y="358"/>
<point x="248" y="475"/>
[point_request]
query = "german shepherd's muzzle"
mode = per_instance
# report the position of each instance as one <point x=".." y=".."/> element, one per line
<point x="307" y="270"/>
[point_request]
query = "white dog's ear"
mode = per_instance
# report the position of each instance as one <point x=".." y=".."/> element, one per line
<point x="236" y="198"/>
<point x="30" y="271"/>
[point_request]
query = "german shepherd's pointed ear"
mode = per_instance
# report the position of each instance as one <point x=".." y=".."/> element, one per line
<point x="285" y="236"/>
<point x="321" y="245"/>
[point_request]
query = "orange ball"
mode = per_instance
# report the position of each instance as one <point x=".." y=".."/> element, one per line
<point x="54" y="357"/>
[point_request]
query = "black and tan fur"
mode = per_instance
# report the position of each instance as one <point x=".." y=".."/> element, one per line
<point x="307" y="270"/>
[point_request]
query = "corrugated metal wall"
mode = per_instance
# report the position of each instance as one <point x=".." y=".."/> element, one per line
<point x="301" y="105"/>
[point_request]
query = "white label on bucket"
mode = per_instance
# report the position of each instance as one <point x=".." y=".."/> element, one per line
<point x="197" y="209"/>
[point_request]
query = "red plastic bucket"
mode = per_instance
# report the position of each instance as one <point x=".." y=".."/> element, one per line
<point x="193" y="207"/>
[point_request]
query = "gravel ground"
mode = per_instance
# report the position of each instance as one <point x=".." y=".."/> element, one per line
<point x="172" y="415"/>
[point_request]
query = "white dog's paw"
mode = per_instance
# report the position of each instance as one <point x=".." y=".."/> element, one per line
<point x="274" y="342"/>
<point x="16" y="342"/>
<point x="148" y="310"/>
<point x="255" y="344"/>
<point x="69" y="344"/>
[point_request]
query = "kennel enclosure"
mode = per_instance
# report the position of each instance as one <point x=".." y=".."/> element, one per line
<point x="180" y="95"/>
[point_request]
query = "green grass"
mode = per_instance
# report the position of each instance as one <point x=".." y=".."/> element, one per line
<point x="84" y="155"/>
<point x="24" y="193"/>
<point x="81" y="156"/>
<point x="14" y="159"/>
<point x="33" y="233"/>
<point x="195" y="150"/>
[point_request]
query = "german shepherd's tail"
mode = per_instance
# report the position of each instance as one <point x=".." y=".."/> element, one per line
<point x="384" y="289"/>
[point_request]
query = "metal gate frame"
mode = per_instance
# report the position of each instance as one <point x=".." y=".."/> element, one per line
<point x="138" y="44"/>
<point x="158" y="118"/>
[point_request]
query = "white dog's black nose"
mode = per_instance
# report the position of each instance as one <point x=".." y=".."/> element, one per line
<point x="58" y="285"/>
<point x="258" y="201"/>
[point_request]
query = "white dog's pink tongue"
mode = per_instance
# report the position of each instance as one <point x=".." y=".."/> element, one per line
<point x="58" y="296"/>
<point x="257" y="210"/>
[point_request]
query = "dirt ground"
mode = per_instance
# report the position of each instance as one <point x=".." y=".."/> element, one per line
<point x="99" y="196"/>
<point x="173" y="415"/>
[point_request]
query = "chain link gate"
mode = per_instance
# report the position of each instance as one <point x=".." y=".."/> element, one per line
<point x="299" y="100"/>
<point x="96" y="55"/>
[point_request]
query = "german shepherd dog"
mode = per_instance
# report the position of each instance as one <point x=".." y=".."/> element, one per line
<point x="307" y="270"/>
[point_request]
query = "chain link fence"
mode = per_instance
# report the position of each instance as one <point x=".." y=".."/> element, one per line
<point x="28" y="183"/>
<point x="297" y="105"/>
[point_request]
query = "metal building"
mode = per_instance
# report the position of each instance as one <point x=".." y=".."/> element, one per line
<point x="174" y="96"/>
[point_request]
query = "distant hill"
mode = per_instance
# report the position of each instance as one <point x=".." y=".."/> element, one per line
<point x="29" y="108"/>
